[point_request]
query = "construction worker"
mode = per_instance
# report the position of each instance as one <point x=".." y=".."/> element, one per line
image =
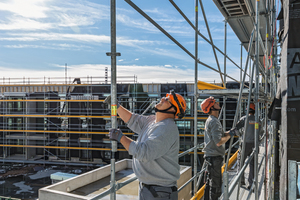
<point x="214" y="150"/>
<point x="247" y="140"/>
<point x="155" y="153"/>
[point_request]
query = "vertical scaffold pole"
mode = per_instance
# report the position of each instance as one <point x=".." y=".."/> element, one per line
<point x="196" y="94"/>
<point x="225" y="52"/>
<point x="225" y="174"/>
<point x="256" y="98"/>
<point x="268" y="33"/>
<point x="241" y="72"/>
<point x="224" y="108"/>
<point x="113" y="55"/>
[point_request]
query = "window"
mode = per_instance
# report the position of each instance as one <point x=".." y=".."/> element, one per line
<point x="188" y="106"/>
<point x="19" y="124"/>
<point x="155" y="88"/>
<point x="40" y="107"/>
<point x="63" y="152"/>
<point x="200" y="127"/>
<point x="19" y="142"/>
<point x="19" y="105"/>
<point x="86" y="155"/>
<point x="10" y="106"/>
<point x="10" y="123"/>
<point x="183" y="125"/>
<point x="145" y="89"/>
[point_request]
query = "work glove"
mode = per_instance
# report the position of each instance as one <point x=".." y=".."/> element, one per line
<point x="240" y="124"/>
<point x="108" y="101"/>
<point x="115" y="134"/>
<point x="234" y="132"/>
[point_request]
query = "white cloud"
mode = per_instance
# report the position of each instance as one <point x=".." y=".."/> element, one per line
<point x="140" y="23"/>
<point x="155" y="10"/>
<point x="58" y="37"/>
<point x="18" y="23"/>
<point x="22" y="46"/>
<point x="74" y="20"/>
<point x="89" y="38"/>
<point x="144" y="73"/>
<point x="28" y="8"/>
<point x="215" y="18"/>
<point x="50" y="14"/>
<point x="135" y="42"/>
<point x="171" y="25"/>
<point x="50" y="46"/>
<point x="81" y="13"/>
<point x="172" y="54"/>
<point x="141" y="45"/>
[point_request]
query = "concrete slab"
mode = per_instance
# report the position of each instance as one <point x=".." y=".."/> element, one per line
<point x="97" y="187"/>
<point x="91" y="184"/>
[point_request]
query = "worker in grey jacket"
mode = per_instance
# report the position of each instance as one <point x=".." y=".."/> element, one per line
<point x="155" y="153"/>
<point x="247" y="140"/>
<point x="214" y="149"/>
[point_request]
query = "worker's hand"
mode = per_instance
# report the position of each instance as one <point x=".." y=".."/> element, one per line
<point x="108" y="101"/>
<point x="234" y="132"/>
<point x="240" y="124"/>
<point x="115" y="134"/>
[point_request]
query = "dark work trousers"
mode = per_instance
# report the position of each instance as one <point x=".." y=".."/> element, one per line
<point x="213" y="187"/>
<point x="156" y="192"/>
<point x="248" y="150"/>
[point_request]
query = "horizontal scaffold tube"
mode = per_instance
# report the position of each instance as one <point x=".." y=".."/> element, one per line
<point x="77" y="116"/>
<point x="49" y="100"/>
<point x="80" y="132"/>
<point x="68" y="147"/>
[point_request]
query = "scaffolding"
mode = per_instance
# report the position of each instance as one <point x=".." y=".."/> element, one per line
<point x="245" y="17"/>
<point x="67" y="123"/>
<point x="50" y="121"/>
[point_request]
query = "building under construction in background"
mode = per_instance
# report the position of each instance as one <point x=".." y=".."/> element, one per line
<point x="58" y="123"/>
<point x="66" y="122"/>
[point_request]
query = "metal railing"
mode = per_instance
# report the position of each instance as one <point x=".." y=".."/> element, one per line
<point x="25" y="81"/>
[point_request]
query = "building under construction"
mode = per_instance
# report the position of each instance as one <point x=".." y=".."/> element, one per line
<point x="51" y="121"/>
<point x="69" y="123"/>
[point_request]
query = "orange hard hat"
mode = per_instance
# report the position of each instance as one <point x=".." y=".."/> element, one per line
<point x="252" y="106"/>
<point x="207" y="104"/>
<point x="178" y="102"/>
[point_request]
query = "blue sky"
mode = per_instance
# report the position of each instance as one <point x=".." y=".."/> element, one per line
<point x="37" y="38"/>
